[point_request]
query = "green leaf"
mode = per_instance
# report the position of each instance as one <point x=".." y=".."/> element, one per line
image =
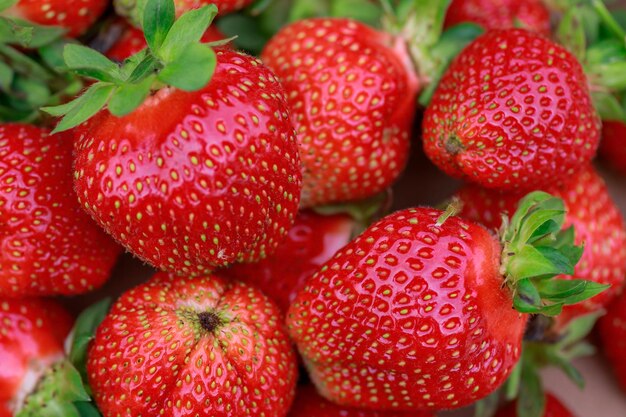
<point x="5" y="4"/>
<point x="52" y="55"/>
<point x="188" y="29"/>
<point x="35" y="92"/>
<point x="568" y="369"/>
<point x="44" y="35"/>
<point x="607" y="19"/>
<point x="608" y="107"/>
<point x="570" y="291"/>
<point x="127" y="97"/>
<point x="513" y="383"/>
<point x="529" y="262"/>
<point x="87" y="409"/>
<point x="531" y="401"/>
<point x="6" y="76"/>
<point x="158" y="18"/>
<point x="579" y="328"/>
<point x="571" y="32"/>
<point x="24" y="64"/>
<point x="487" y="406"/>
<point x="192" y="69"/>
<point x="250" y="35"/>
<point x="527" y="298"/>
<point x="91" y="63"/>
<point x="84" y="107"/>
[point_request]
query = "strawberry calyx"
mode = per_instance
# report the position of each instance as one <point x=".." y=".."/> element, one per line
<point x="535" y="250"/>
<point x="62" y="390"/>
<point x="175" y="57"/>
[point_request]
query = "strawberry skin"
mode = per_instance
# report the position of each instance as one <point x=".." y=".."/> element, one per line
<point x="311" y="242"/>
<point x="180" y="346"/>
<point x="74" y="15"/>
<point x="133" y="9"/>
<point x="32" y="333"/>
<point x="49" y="245"/>
<point x="594" y="215"/>
<point x="192" y="181"/>
<point x="612" y="330"/>
<point x="613" y="145"/>
<point x="554" y="408"/>
<point x="309" y="403"/>
<point x="411" y="315"/>
<point x="133" y="41"/>
<point x="513" y="111"/>
<point x="501" y="14"/>
<point x="353" y="101"/>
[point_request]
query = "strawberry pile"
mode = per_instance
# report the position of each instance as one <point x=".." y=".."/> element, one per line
<point x="231" y="186"/>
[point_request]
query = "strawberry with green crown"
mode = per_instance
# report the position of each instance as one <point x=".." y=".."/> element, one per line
<point x="188" y="158"/>
<point x="417" y="312"/>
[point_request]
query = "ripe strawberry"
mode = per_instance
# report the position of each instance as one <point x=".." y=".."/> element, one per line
<point x="133" y="41"/>
<point x="353" y="100"/>
<point x="49" y="245"/>
<point x="554" y="408"/>
<point x="596" y="218"/>
<point x="74" y="15"/>
<point x="32" y="333"/>
<point x="311" y="242"/>
<point x="501" y="14"/>
<point x="192" y="346"/>
<point x="613" y="145"/>
<point x="309" y="403"/>
<point x="513" y="111"/>
<point x="612" y="330"/>
<point x="414" y="313"/>
<point x="191" y="181"/>
<point x="133" y="9"/>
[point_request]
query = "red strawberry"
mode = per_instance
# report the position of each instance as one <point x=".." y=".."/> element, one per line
<point x="414" y="314"/>
<point x="133" y="41"/>
<point x="190" y="181"/>
<point x="554" y="408"/>
<point x="613" y="335"/>
<point x="133" y="9"/>
<point x="613" y="145"/>
<point x="74" y="15"/>
<point x="596" y="218"/>
<point x="353" y="100"/>
<point x="48" y="244"/>
<point x="311" y="242"/>
<point x="179" y="346"/>
<point x="513" y="111"/>
<point x="501" y="14"/>
<point x="32" y="333"/>
<point x="309" y="403"/>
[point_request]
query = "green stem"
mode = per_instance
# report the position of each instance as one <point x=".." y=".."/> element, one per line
<point x="608" y="20"/>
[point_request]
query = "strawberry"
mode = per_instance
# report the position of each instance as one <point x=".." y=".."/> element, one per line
<point x="501" y="14"/>
<point x="49" y="245"/>
<point x="554" y="408"/>
<point x="613" y="145"/>
<point x="311" y="242"/>
<point x="193" y="176"/>
<point x="192" y="346"/>
<point x="76" y="16"/>
<point x="590" y="209"/>
<point x="309" y="403"/>
<point x="31" y="339"/>
<point x="133" y="9"/>
<point x="416" y="313"/>
<point x="353" y="97"/>
<point x="612" y="330"/>
<point x="512" y="111"/>
<point x="132" y="41"/>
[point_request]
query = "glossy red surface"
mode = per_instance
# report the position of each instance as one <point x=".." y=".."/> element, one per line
<point x="513" y="111"/>
<point x="410" y="315"/>
<point x="48" y="244"/>
<point x="352" y="97"/>
<point x="152" y="356"/>
<point x="192" y="181"/>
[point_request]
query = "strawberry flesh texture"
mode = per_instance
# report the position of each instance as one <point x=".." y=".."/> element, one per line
<point x="32" y="333"/>
<point x="597" y="222"/>
<point x="49" y="245"/>
<point x="409" y="316"/>
<point x="74" y="15"/>
<point x="353" y="101"/>
<point x="613" y="145"/>
<point x="133" y="41"/>
<point x="513" y="111"/>
<point x="180" y="346"/>
<point x="612" y="330"/>
<point x="501" y="14"/>
<point x="311" y="242"/>
<point x="554" y="408"/>
<point x="192" y="181"/>
<point x="309" y="403"/>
